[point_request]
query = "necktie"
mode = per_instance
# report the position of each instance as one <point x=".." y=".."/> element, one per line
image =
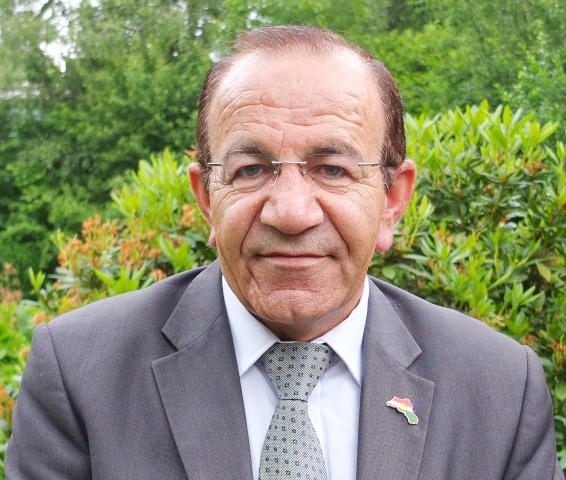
<point x="291" y="448"/>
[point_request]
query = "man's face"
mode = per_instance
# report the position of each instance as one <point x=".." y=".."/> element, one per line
<point x="295" y="254"/>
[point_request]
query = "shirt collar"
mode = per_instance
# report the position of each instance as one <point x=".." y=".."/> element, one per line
<point x="251" y="338"/>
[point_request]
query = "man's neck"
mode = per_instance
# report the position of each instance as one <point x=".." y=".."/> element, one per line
<point x="308" y="331"/>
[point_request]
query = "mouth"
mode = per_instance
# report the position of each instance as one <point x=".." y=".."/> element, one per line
<point x="292" y="260"/>
<point x="282" y="253"/>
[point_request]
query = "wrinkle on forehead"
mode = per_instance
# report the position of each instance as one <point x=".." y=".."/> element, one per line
<point x="285" y="98"/>
<point x="318" y="106"/>
<point x="300" y="117"/>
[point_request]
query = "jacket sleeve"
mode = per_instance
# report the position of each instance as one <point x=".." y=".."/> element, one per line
<point x="534" y="448"/>
<point x="48" y="439"/>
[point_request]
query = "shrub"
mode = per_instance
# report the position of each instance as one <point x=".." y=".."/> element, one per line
<point x="13" y="352"/>
<point x="159" y="232"/>
<point x="14" y="347"/>
<point x="9" y="285"/>
<point x="26" y="242"/>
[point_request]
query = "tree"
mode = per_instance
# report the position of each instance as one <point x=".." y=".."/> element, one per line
<point x="130" y="87"/>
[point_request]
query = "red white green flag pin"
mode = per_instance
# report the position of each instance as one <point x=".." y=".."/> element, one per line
<point x="404" y="406"/>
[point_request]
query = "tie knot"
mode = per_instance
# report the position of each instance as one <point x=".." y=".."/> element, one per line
<point x="295" y="368"/>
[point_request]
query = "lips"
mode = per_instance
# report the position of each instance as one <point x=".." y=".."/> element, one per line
<point x="291" y="254"/>
<point x="291" y="261"/>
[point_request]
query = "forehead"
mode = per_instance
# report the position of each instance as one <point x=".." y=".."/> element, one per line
<point x="286" y="98"/>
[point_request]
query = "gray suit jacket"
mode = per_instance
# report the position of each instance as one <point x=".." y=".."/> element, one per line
<point x="145" y="386"/>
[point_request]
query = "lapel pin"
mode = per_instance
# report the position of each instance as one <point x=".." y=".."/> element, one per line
<point x="404" y="406"/>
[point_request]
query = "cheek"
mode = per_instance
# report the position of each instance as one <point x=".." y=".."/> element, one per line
<point x="232" y="218"/>
<point x="358" y="223"/>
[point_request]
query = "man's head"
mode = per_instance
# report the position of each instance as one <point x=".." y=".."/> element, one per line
<point x="311" y="41"/>
<point x="295" y="247"/>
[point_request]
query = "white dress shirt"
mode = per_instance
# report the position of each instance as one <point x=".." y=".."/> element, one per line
<point x="334" y="405"/>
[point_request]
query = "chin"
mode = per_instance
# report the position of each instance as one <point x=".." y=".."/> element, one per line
<point x="295" y="307"/>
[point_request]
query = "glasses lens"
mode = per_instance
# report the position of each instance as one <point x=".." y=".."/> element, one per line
<point x="247" y="172"/>
<point x="334" y="171"/>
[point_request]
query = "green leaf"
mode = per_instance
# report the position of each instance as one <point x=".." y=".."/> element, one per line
<point x="388" y="272"/>
<point x="544" y="271"/>
<point x="560" y="390"/>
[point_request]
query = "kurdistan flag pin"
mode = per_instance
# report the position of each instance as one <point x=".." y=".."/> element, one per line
<point x="404" y="406"/>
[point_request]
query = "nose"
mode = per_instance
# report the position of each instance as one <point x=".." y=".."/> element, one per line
<point x="292" y="205"/>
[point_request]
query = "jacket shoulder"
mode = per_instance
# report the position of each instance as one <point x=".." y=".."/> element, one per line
<point x="431" y="324"/>
<point x="138" y="306"/>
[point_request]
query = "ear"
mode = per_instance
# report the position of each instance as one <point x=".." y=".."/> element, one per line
<point x="202" y="197"/>
<point x="396" y="201"/>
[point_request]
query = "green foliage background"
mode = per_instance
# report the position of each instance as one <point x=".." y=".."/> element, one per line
<point x="485" y="235"/>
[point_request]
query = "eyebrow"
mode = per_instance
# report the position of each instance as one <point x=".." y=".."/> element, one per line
<point x="335" y="148"/>
<point x="331" y="148"/>
<point x="247" y="148"/>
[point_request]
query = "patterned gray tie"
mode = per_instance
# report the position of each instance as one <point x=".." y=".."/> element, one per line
<point x="291" y="448"/>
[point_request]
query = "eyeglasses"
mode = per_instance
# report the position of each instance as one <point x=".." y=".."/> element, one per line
<point x="247" y="172"/>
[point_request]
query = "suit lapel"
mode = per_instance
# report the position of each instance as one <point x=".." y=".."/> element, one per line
<point x="201" y="393"/>
<point x="200" y="386"/>
<point x="388" y="446"/>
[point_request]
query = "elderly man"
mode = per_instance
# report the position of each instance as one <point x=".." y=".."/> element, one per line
<point x="284" y="359"/>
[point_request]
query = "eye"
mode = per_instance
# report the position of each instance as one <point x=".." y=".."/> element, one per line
<point x="247" y="166"/>
<point x="332" y="170"/>
<point x="250" y="170"/>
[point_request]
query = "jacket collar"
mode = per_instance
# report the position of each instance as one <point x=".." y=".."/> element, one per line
<point x="388" y="446"/>
<point x="200" y="386"/>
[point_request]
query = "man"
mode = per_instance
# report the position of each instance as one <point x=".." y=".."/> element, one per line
<point x="302" y="177"/>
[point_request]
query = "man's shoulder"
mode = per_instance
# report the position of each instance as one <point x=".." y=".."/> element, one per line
<point x="114" y="334"/>
<point x="138" y="311"/>
<point x="447" y="332"/>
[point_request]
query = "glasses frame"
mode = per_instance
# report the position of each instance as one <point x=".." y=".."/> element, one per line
<point x="276" y="164"/>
